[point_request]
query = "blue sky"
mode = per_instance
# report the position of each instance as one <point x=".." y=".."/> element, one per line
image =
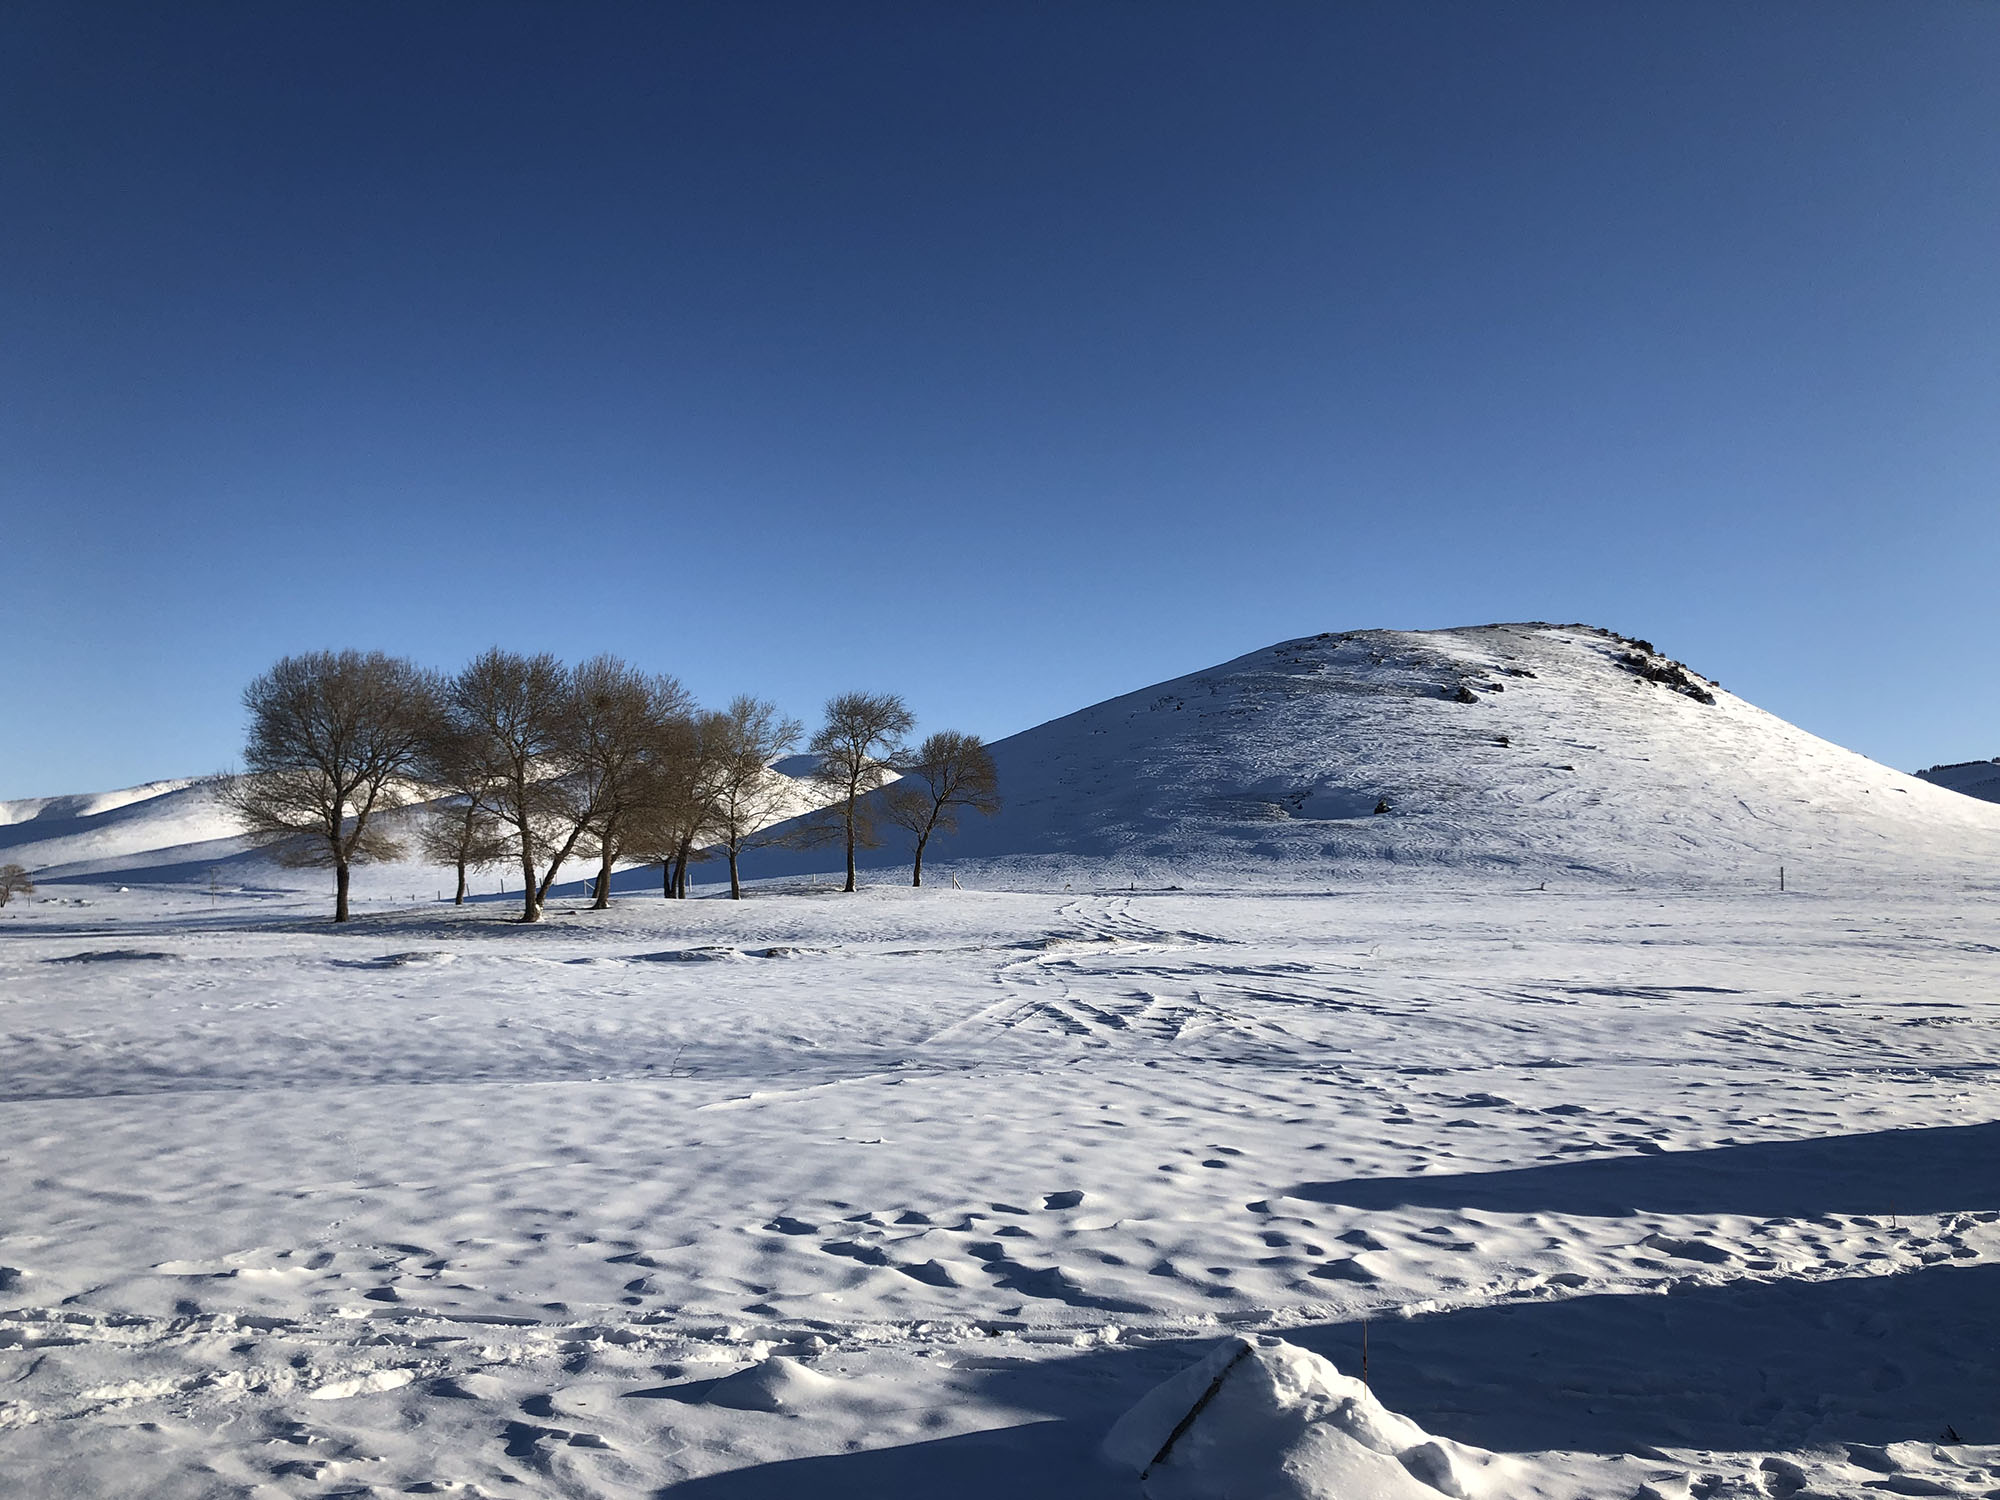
<point x="1006" y="356"/>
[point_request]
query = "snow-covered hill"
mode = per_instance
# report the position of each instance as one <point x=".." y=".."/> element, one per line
<point x="172" y="825"/>
<point x="1551" y="751"/>
<point x="1975" y="778"/>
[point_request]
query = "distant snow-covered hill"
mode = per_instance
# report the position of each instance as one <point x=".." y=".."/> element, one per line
<point x="165" y="824"/>
<point x="1975" y="778"/>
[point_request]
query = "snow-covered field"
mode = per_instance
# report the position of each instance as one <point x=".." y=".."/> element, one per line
<point x="1532" y="1102"/>
<point x="917" y="1192"/>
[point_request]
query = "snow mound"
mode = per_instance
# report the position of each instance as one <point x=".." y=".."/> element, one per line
<point x="1271" y="1421"/>
<point x="777" y="1384"/>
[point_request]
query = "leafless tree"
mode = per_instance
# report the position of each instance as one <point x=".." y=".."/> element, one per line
<point x="464" y="833"/>
<point x="748" y="795"/>
<point x="676" y="809"/>
<point x="461" y="827"/>
<point x="950" y="772"/>
<point x="512" y="713"/>
<point x="862" y="735"/>
<point x="14" y="881"/>
<point x="334" y="738"/>
<point x="621" y="726"/>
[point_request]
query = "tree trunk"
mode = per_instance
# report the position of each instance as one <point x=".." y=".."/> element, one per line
<point x="531" y="906"/>
<point x="667" y="878"/>
<point x="850" y="843"/>
<point x="735" y="886"/>
<point x="681" y="867"/>
<point x="923" y="838"/>
<point x="340" y="877"/>
<point x="555" y="863"/>
<point x="459" y="900"/>
<point x="603" y="901"/>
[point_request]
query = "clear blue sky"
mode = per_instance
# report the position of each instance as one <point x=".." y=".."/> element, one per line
<point x="1009" y="356"/>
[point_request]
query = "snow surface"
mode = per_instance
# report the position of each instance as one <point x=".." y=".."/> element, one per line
<point x="1632" y="1175"/>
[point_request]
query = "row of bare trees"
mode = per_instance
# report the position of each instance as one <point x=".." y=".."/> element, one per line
<point x="524" y="758"/>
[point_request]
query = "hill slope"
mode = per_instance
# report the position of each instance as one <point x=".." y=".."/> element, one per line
<point x="1544" y="750"/>
<point x="160" y="824"/>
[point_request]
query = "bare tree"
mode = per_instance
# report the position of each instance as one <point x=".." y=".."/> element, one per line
<point x="464" y="833"/>
<point x="334" y="737"/>
<point x="951" y="771"/>
<point x="748" y="795"/>
<point x="14" y="881"/>
<point x="862" y="735"/>
<point x="512" y="712"/>
<point x="621" y="726"/>
<point x="687" y="807"/>
<point x="461" y="828"/>
<point x="677" y="807"/>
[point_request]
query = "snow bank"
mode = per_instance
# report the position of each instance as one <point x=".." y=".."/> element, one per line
<point x="1270" y="1421"/>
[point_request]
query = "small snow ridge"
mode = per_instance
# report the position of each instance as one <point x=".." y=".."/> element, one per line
<point x="419" y="957"/>
<point x="777" y="1384"/>
<point x="366" y="1384"/>
<point x="1273" y="1420"/>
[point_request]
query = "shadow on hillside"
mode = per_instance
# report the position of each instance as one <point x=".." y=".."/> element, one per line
<point x="1892" y="1171"/>
<point x="185" y="866"/>
<point x="1739" y="1366"/>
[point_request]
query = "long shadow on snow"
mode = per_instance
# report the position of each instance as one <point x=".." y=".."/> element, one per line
<point x="1050" y="1455"/>
<point x="1049" y="1460"/>
<point x="1745" y="1366"/>
<point x="1742" y="1365"/>
<point x="1942" y="1170"/>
